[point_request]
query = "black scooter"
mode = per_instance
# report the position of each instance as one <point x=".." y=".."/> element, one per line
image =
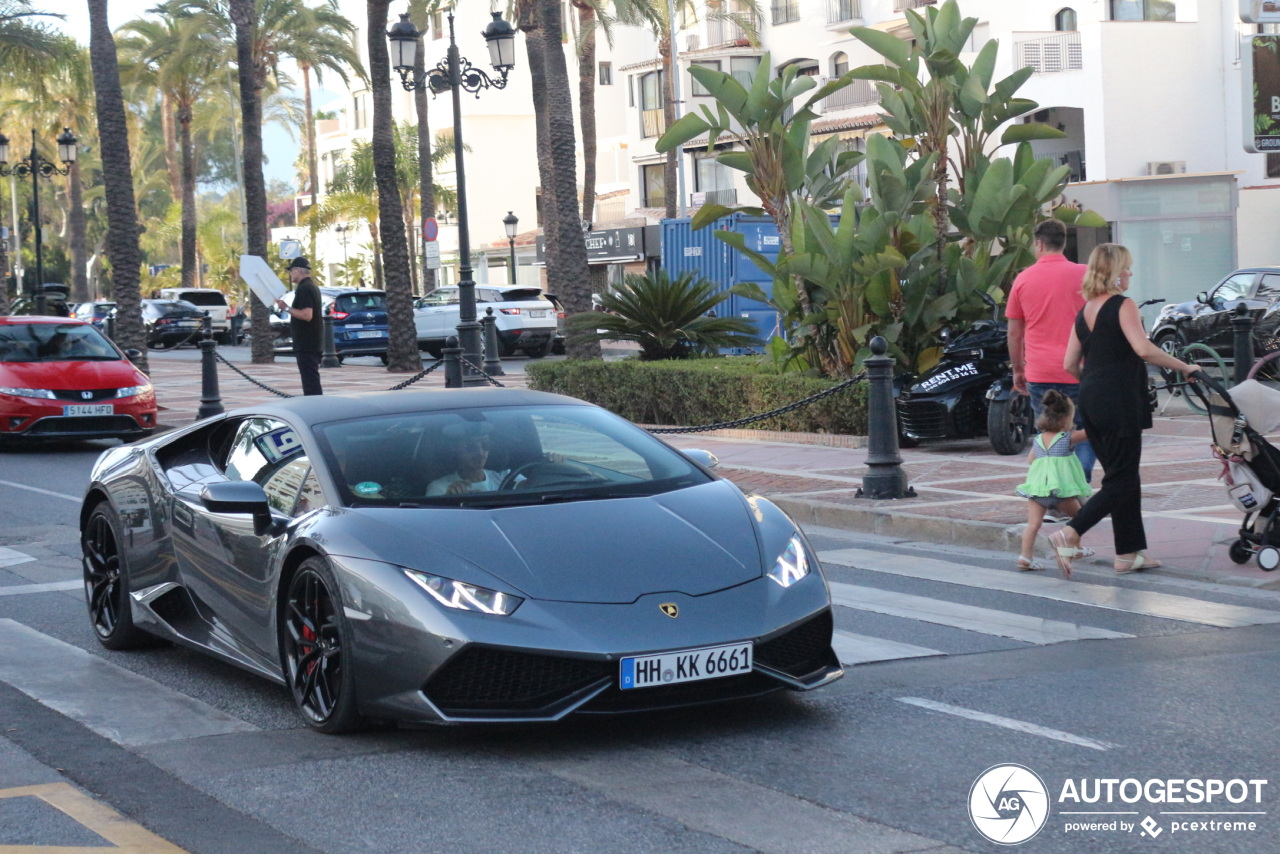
<point x="968" y="394"/>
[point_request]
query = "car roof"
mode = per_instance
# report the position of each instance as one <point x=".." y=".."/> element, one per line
<point x="318" y="409"/>
<point x="15" y="320"/>
<point x="1273" y="269"/>
<point x="334" y="291"/>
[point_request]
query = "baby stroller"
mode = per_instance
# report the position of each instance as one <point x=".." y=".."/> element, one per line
<point x="1238" y="420"/>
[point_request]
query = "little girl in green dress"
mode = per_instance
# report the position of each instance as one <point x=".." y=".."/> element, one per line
<point x="1056" y="479"/>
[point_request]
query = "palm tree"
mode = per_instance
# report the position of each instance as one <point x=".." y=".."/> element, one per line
<point x="117" y="174"/>
<point x="420" y="12"/>
<point x="180" y="58"/>
<point x="402" y="347"/>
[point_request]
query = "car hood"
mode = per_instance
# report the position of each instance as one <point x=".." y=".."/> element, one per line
<point x="70" y="375"/>
<point x="693" y="541"/>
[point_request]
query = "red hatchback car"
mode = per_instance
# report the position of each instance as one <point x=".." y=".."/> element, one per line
<point x="61" y="378"/>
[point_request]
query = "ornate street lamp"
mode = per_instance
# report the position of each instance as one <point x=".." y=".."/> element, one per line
<point x="35" y="165"/>
<point x="456" y="73"/>
<point x="342" y="233"/>
<point x="509" y="223"/>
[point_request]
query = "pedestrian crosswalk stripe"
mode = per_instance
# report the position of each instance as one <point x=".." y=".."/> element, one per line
<point x="987" y="621"/>
<point x="1007" y="723"/>
<point x="115" y="703"/>
<point x="862" y="649"/>
<point x="1129" y="600"/>
<point x="13" y="557"/>
<point x="48" y="587"/>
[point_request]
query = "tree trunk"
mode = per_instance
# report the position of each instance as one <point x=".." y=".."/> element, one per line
<point x="4" y="277"/>
<point x="243" y="15"/>
<point x="313" y="168"/>
<point x="567" y="271"/>
<point x="426" y="182"/>
<point x="187" y="152"/>
<point x="533" y="42"/>
<point x="169" y="130"/>
<point x="402" y="348"/>
<point x="587" y="105"/>
<point x="76" y="220"/>
<point x="670" y="184"/>
<point x="117" y="176"/>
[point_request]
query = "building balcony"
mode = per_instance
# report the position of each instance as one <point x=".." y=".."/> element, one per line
<point x="859" y="93"/>
<point x="902" y="5"/>
<point x="841" y="11"/>
<point x="786" y="11"/>
<point x="611" y="209"/>
<point x="714" y="197"/>
<point x="1048" y="53"/>
<point x="722" y="32"/>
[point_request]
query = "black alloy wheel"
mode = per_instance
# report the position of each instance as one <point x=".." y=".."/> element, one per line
<point x="313" y="645"/>
<point x="1009" y="424"/>
<point x="106" y="588"/>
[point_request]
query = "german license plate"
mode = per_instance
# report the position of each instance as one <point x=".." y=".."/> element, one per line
<point x="89" y="409"/>
<point x="538" y="312"/>
<point x="685" y="665"/>
<point x="372" y="333"/>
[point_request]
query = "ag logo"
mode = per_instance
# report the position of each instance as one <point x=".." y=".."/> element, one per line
<point x="1008" y="804"/>
<point x="671" y="609"/>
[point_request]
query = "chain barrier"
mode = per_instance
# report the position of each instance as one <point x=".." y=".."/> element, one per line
<point x="277" y="392"/>
<point x="480" y="372"/>
<point x="187" y="340"/>
<point x="782" y="410"/>
<point x="416" y="377"/>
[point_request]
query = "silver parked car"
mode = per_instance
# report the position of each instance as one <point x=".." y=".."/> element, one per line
<point x="525" y="319"/>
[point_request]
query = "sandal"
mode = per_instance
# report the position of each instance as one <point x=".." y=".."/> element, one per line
<point x="1063" y="552"/>
<point x="1084" y="551"/>
<point x="1028" y="564"/>
<point x="1137" y="563"/>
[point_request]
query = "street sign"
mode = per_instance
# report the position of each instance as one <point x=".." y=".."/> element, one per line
<point x="290" y="249"/>
<point x="1260" y="76"/>
<point x="1260" y="11"/>
<point x="261" y="279"/>
<point x="430" y="229"/>
<point x="431" y="252"/>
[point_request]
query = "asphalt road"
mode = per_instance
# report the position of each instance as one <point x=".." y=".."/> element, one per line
<point x="1103" y="678"/>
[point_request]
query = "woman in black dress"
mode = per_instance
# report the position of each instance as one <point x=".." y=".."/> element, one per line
<point x="1109" y="338"/>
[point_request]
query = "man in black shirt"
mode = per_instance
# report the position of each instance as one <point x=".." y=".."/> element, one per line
<point x="306" y="326"/>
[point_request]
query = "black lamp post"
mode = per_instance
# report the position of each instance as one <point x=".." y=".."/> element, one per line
<point x="35" y="165"/>
<point x="509" y="223"/>
<point x="457" y="74"/>
<point x="342" y="233"/>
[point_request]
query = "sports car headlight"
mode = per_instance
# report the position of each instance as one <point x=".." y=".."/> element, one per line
<point x="792" y="565"/>
<point x="465" y="597"/>
<point x="27" y="392"/>
<point x="130" y="391"/>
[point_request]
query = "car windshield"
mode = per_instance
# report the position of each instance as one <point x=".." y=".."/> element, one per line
<point x="204" y="298"/>
<point x="174" y="308"/>
<point x="54" y="342"/>
<point x="440" y="296"/>
<point x="500" y="456"/>
<point x="361" y="302"/>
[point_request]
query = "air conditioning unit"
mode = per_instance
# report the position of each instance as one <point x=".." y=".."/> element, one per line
<point x="1166" y="167"/>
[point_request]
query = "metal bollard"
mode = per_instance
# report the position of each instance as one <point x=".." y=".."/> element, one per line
<point x="1242" y="326"/>
<point x="452" y="363"/>
<point x="885" y="477"/>
<point x="492" y="364"/>
<point x="210" y="396"/>
<point x="109" y="326"/>
<point x="330" y="357"/>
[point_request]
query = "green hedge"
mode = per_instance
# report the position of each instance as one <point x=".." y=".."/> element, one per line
<point x="694" y="392"/>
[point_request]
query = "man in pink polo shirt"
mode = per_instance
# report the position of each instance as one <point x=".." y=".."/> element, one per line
<point x="1042" y="309"/>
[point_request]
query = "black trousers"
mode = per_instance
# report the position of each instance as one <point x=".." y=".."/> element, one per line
<point x="1121" y="494"/>
<point x="309" y="370"/>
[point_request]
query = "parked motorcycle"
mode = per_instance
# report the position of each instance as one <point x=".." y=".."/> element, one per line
<point x="968" y="394"/>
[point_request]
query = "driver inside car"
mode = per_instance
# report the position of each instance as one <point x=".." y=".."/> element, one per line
<point x="468" y="446"/>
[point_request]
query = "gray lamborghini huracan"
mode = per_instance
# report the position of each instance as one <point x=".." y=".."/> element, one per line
<point x="464" y="556"/>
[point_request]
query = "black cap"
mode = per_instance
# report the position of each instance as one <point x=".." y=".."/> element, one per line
<point x="300" y="263"/>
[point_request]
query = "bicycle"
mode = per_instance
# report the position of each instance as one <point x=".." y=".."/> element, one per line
<point x="1210" y="362"/>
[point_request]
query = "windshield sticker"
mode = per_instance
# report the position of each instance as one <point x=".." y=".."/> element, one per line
<point x="969" y="369"/>
<point x="368" y="489"/>
<point x="278" y="445"/>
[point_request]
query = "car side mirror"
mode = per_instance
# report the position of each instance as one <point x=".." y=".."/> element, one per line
<point x="1203" y="297"/>
<point x="237" y="497"/>
<point x="706" y="459"/>
<point x="133" y="354"/>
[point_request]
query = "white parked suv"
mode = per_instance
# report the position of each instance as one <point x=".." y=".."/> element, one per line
<point x="208" y="300"/>
<point x="525" y="319"/>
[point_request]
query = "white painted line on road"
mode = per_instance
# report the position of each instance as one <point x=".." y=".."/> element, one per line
<point x="1007" y="723"/>
<point x="49" y="587"/>
<point x="862" y="649"/>
<point x="987" y="621"/>
<point x="12" y="557"/>
<point x="1126" y="599"/>
<point x="118" y="704"/>
<point x="76" y="498"/>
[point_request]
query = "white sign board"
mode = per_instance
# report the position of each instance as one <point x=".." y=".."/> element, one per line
<point x="261" y="279"/>
<point x="290" y="249"/>
<point x="431" y="252"/>
<point x="1260" y="11"/>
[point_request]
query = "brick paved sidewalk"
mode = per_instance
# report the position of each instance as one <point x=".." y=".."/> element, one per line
<point x="964" y="491"/>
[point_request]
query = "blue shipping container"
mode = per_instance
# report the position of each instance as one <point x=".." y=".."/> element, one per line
<point x="686" y="250"/>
